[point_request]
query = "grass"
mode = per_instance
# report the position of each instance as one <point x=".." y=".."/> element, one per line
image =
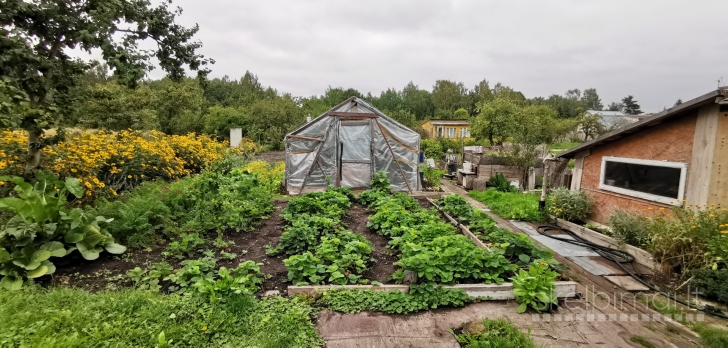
<point x="710" y="336"/>
<point x="497" y="333"/>
<point x="64" y="317"/>
<point x="557" y="148"/>
<point x="510" y="205"/>
<point x="642" y="341"/>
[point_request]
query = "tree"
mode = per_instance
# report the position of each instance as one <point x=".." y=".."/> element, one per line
<point x="404" y="117"/>
<point x="591" y="125"/>
<point x="38" y="74"/>
<point x="417" y="101"/>
<point x="448" y="95"/>
<point x="334" y="96"/>
<point x="590" y="100"/>
<point x="460" y="114"/>
<point x="495" y="121"/>
<point x="388" y="100"/>
<point x="179" y="105"/>
<point x="614" y="106"/>
<point x="630" y="106"/>
<point x="505" y="92"/>
<point x="219" y="120"/>
<point x="115" y="107"/>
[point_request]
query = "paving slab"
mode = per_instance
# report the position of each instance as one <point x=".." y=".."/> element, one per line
<point x="563" y="248"/>
<point x="628" y="283"/>
<point x="590" y="265"/>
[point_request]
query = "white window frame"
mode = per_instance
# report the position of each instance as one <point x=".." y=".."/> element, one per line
<point x="648" y="196"/>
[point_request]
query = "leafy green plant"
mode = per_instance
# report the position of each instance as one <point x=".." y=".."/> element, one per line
<point x="192" y="272"/>
<point x="494" y="333"/>
<point x="569" y="205"/>
<point x="500" y="183"/>
<point x="454" y="258"/>
<point x="228" y="256"/>
<point x="246" y="278"/>
<point x="433" y="176"/>
<point x="510" y="205"/>
<point x="535" y="288"/>
<point x="187" y="245"/>
<point x="41" y="227"/>
<point x="221" y="244"/>
<point x="380" y="183"/>
<point x="419" y="298"/>
<point x="629" y="228"/>
<point x="713" y="284"/>
<point x="150" y="280"/>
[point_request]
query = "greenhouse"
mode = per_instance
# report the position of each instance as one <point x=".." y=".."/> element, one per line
<point x="346" y="145"/>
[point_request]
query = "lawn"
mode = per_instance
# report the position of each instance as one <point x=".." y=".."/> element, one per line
<point x="511" y="205"/>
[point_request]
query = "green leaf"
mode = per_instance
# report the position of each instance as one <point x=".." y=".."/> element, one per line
<point x="4" y="255"/>
<point x="525" y="258"/>
<point x="51" y="267"/>
<point x="521" y="308"/>
<point x="115" y="248"/>
<point x="74" y="187"/>
<point x="11" y="283"/>
<point x="38" y="272"/>
<point x="55" y="248"/>
<point x="88" y="253"/>
<point x="41" y="255"/>
<point x="73" y="237"/>
<point x="26" y="263"/>
<point x="16" y="205"/>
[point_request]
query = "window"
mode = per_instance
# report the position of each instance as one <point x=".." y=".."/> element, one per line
<point x="439" y="132"/>
<point x="464" y="133"/>
<point x="658" y="181"/>
<point x="451" y="133"/>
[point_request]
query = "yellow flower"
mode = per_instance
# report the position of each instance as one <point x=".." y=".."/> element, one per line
<point x="723" y="232"/>
<point x="711" y="215"/>
<point x="204" y="328"/>
<point x="128" y="176"/>
<point x="692" y="226"/>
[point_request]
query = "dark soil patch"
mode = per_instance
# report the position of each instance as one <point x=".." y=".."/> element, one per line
<point x="382" y="258"/>
<point x="110" y="271"/>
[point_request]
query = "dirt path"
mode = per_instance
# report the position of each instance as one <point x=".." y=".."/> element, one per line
<point x="271" y="156"/>
<point x="382" y="258"/>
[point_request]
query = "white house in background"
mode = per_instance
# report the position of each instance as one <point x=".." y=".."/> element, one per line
<point x="611" y="118"/>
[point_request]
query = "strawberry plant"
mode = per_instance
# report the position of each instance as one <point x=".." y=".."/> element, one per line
<point x="535" y="288"/>
<point x="246" y="278"/>
<point x="187" y="245"/>
<point x="192" y="272"/>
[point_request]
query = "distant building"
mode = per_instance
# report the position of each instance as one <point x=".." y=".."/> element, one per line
<point x="454" y="129"/>
<point x="616" y="118"/>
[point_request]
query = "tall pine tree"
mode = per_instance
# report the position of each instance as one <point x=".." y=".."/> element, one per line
<point x="630" y="106"/>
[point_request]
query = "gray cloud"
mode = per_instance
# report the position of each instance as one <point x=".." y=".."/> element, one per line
<point x="658" y="51"/>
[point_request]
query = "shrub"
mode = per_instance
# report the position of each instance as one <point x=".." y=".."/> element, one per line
<point x="713" y="284"/>
<point x="630" y="228"/>
<point x="269" y="175"/>
<point x="509" y="205"/>
<point x="432" y="149"/>
<point x="107" y="163"/>
<point x="500" y="183"/>
<point x="496" y="333"/>
<point x="569" y="205"/>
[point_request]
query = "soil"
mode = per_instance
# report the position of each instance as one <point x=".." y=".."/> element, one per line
<point x="383" y="259"/>
<point x="110" y="271"/>
<point x="271" y="156"/>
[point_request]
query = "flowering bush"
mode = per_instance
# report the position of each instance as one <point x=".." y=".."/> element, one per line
<point x="269" y="175"/>
<point x="694" y="237"/>
<point x="106" y="162"/>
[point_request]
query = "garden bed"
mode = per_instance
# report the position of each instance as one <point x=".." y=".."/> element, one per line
<point x="110" y="271"/>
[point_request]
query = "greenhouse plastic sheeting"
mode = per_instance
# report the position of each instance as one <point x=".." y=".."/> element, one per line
<point x="347" y="149"/>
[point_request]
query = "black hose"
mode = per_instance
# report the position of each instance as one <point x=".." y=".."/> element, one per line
<point x="621" y="257"/>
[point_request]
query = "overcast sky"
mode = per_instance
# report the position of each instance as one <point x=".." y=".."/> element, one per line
<point x="658" y="51"/>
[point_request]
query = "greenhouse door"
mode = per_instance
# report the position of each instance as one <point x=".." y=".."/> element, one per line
<point x="356" y="154"/>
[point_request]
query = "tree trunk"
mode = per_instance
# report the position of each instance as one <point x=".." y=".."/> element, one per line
<point x="34" y="150"/>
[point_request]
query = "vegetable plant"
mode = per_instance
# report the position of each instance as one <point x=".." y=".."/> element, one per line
<point x="187" y="245"/>
<point x="41" y="226"/>
<point x="245" y="278"/>
<point x="569" y="205"/>
<point x="535" y="288"/>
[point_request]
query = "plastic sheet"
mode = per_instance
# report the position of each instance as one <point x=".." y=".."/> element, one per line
<point x="350" y="151"/>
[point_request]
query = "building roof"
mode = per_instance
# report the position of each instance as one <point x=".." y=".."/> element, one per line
<point x="448" y="122"/>
<point x="684" y="109"/>
<point x="607" y="113"/>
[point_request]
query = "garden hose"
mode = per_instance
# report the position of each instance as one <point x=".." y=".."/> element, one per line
<point x="621" y="257"/>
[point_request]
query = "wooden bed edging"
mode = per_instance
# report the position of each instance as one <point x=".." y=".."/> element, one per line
<point x="503" y="291"/>
<point x="640" y="256"/>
